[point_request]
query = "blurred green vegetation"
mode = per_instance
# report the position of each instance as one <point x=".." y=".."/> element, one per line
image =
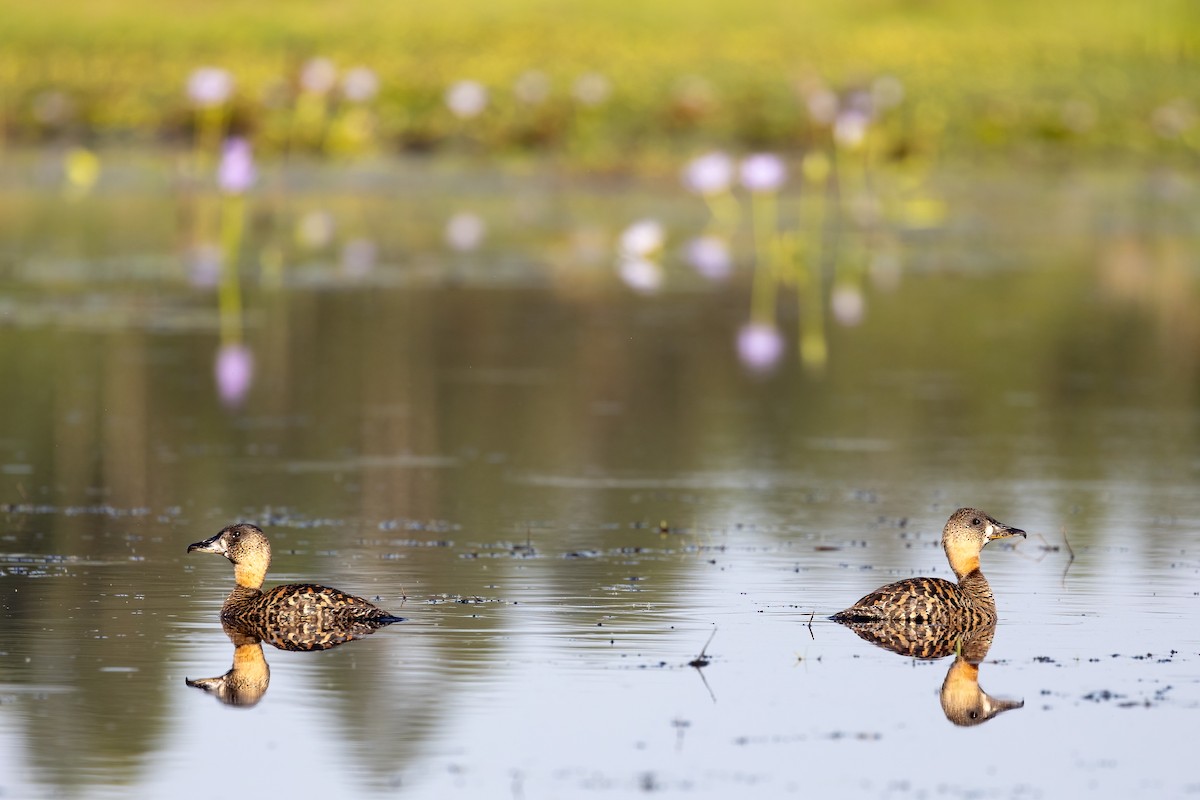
<point x="1097" y="79"/>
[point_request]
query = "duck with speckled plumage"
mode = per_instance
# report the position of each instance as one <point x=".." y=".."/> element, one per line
<point x="935" y="601"/>
<point x="295" y="616"/>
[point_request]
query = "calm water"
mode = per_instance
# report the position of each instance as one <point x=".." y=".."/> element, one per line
<point x="568" y="487"/>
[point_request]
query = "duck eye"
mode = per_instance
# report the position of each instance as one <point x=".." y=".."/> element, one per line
<point x="974" y="715"/>
<point x="975" y="521"/>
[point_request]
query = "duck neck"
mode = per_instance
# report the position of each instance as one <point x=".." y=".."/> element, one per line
<point x="250" y="576"/>
<point x="975" y="586"/>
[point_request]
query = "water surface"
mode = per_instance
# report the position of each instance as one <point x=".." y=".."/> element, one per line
<point x="566" y="486"/>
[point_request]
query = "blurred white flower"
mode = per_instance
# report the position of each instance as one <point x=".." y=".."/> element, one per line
<point x="709" y="174"/>
<point x="318" y="76"/>
<point x="592" y="89"/>
<point x="887" y="92"/>
<point x="234" y="372"/>
<point x="641" y="275"/>
<point x="52" y="107"/>
<point x="209" y="86"/>
<point x="759" y="346"/>
<point x="236" y="172"/>
<point x="1173" y="119"/>
<point x="358" y="257"/>
<point x="822" y="105"/>
<point x="850" y="128"/>
<point x="532" y="87"/>
<point x="763" y="172"/>
<point x="710" y="256"/>
<point x="848" y="305"/>
<point x="465" y="231"/>
<point x="360" y="84"/>
<point x="466" y="99"/>
<point x="315" y="229"/>
<point x="641" y="239"/>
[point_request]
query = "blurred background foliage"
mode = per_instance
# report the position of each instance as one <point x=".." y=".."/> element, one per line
<point x="605" y="83"/>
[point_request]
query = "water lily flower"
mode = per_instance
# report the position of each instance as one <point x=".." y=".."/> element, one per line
<point x="234" y="372"/>
<point x="710" y="256"/>
<point x="709" y="174"/>
<point x="318" y="76"/>
<point x="592" y="89"/>
<point x="360" y="84"/>
<point x="759" y="346"/>
<point x="208" y="87"/>
<point x="236" y="172"/>
<point x="763" y="172"/>
<point x="641" y="239"/>
<point x="532" y="88"/>
<point x="465" y="231"/>
<point x="466" y="99"/>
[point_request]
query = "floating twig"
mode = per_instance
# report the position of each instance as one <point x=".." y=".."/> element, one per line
<point x="1070" y="554"/>
<point x="703" y="660"/>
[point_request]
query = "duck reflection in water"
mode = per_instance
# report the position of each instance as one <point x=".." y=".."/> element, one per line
<point x="931" y="618"/>
<point x="298" y="616"/>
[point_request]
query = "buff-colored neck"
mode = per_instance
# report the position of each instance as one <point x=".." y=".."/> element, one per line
<point x="251" y="574"/>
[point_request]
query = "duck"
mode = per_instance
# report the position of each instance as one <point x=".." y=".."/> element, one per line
<point x="307" y="613"/>
<point x="935" y="601"/>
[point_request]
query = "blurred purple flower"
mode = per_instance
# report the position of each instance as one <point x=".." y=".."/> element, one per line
<point x="641" y="239"/>
<point x="641" y="275"/>
<point x="763" y="172"/>
<point x="465" y="231"/>
<point x="848" y="305"/>
<point x="236" y="172"/>
<point x="360" y="85"/>
<point x="466" y="99"/>
<point x="209" y="86"/>
<point x="710" y="256"/>
<point x="318" y="76"/>
<point x="234" y="371"/>
<point x="709" y="174"/>
<point x="759" y="346"/>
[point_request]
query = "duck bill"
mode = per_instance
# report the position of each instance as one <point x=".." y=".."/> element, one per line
<point x="214" y="544"/>
<point x="998" y="530"/>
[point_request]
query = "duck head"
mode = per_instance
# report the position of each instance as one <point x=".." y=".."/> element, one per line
<point x="965" y="534"/>
<point x="246" y="546"/>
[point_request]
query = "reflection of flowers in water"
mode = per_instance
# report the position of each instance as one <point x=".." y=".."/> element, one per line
<point x="848" y="305"/>
<point x="237" y="171"/>
<point x="466" y="99"/>
<point x="709" y="174"/>
<point x="641" y="275"/>
<point x="759" y="346"/>
<point x="710" y="256"/>
<point x="203" y="262"/>
<point x="209" y="86"/>
<point x="234" y="371"/>
<point x="360" y="84"/>
<point x="465" y="231"/>
<point x="358" y="257"/>
<point x="763" y="172"/>
<point x="315" y="229"/>
<point x="642" y="238"/>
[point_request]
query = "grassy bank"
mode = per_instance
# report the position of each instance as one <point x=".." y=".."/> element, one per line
<point x="602" y="81"/>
